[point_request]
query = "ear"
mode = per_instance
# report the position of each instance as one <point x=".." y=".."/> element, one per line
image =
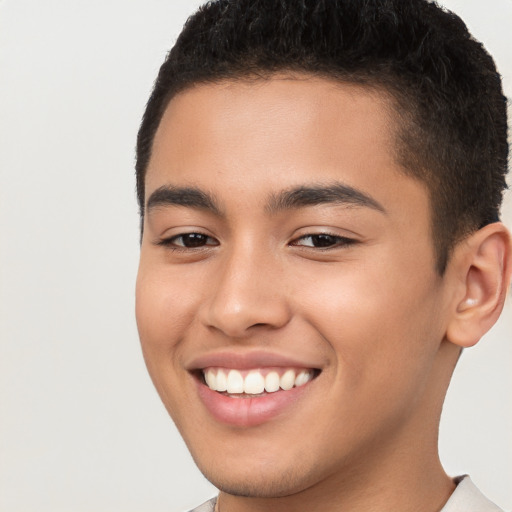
<point x="481" y="268"/>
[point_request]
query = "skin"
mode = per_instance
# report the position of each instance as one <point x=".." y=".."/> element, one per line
<point x="371" y="313"/>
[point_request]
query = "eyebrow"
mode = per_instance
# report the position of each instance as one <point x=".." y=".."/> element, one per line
<point x="294" y="198"/>
<point x="314" y="195"/>
<point x="190" y="197"/>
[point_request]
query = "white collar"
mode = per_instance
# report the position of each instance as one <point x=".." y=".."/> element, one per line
<point x="467" y="498"/>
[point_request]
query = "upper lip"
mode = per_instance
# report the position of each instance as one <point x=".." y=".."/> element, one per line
<point x="248" y="360"/>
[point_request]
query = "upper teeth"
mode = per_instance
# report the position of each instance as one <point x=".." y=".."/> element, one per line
<point x="255" y="382"/>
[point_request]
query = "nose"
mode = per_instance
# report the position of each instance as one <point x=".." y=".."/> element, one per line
<point x="249" y="294"/>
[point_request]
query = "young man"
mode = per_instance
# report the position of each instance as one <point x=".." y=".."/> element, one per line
<point x="319" y="184"/>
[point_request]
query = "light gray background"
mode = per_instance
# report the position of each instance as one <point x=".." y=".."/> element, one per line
<point x="81" y="428"/>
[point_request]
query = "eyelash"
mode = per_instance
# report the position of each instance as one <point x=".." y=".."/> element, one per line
<point x="337" y="241"/>
<point x="170" y="243"/>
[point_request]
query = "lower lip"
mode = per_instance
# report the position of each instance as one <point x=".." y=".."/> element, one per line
<point x="249" y="412"/>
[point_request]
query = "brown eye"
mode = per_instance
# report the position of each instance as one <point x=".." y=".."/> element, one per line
<point x="323" y="241"/>
<point x="189" y="241"/>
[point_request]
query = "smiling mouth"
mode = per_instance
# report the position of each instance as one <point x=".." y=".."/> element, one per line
<point x="256" y="382"/>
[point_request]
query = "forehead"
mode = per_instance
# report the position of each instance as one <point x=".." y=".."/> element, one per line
<point x="266" y="135"/>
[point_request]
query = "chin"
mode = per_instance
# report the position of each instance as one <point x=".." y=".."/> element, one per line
<point x="259" y="481"/>
<point x="256" y="486"/>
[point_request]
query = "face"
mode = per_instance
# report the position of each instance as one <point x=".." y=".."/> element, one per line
<point x="287" y="261"/>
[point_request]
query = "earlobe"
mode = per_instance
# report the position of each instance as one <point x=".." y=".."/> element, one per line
<point x="484" y="265"/>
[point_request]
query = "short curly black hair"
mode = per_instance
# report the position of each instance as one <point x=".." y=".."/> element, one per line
<point x="446" y="90"/>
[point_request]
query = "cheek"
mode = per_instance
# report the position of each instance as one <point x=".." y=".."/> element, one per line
<point x="163" y="316"/>
<point x="379" y="322"/>
<point x="162" y="311"/>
